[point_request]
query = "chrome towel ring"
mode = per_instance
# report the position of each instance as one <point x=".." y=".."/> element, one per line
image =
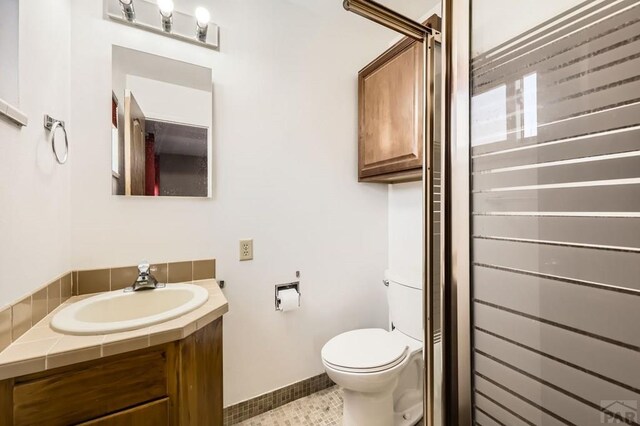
<point x="52" y="125"/>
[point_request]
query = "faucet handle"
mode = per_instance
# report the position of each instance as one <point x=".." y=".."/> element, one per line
<point x="144" y="267"/>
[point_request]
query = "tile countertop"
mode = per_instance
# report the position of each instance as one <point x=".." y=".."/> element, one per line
<point x="41" y="348"/>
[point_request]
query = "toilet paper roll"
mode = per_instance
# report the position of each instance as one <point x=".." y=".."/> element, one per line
<point x="289" y="299"/>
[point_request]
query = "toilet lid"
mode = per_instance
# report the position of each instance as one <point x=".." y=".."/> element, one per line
<point x="366" y="349"/>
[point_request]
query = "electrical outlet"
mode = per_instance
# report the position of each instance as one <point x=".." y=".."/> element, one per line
<point x="246" y="249"/>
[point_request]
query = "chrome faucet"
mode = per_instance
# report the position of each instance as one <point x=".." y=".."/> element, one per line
<point x="145" y="280"/>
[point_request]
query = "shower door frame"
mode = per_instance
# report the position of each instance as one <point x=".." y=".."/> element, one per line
<point x="389" y="18"/>
<point x="455" y="307"/>
<point x="456" y="137"/>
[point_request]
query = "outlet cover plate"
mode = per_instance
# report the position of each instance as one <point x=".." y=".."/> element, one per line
<point x="246" y="249"/>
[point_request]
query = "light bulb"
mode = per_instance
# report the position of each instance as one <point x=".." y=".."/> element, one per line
<point x="127" y="10"/>
<point x="203" y="17"/>
<point x="166" y="7"/>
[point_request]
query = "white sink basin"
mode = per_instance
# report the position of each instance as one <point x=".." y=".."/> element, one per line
<point x="119" y="311"/>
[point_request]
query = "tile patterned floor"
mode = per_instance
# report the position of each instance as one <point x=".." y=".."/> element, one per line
<point x="321" y="408"/>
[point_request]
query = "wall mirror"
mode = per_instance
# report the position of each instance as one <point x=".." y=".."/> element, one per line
<point x="9" y="81"/>
<point x="161" y="116"/>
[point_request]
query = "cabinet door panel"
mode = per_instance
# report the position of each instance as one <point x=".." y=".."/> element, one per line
<point x="152" y="414"/>
<point x="201" y="374"/>
<point x="78" y="395"/>
<point x="390" y="112"/>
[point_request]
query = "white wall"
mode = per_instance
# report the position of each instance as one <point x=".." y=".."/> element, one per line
<point x="34" y="190"/>
<point x="405" y="233"/>
<point x="284" y="132"/>
<point x="171" y="102"/>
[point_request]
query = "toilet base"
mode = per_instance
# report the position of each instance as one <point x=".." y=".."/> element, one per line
<point x="376" y="409"/>
<point x="371" y="409"/>
<point x="410" y="416"/>
<point x="408" y="404"/>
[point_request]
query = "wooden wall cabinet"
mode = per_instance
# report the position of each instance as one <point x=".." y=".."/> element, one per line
<point x="391" y="114"/>
<point x="179" y="383"/>
<point x="390" y="97"/>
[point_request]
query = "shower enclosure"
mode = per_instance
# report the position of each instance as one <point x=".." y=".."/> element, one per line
<point x="543" y="112"/>
<point x="531" y="211"/>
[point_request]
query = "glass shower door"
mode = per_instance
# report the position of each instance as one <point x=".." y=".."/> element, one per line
<point x="555" y="212"/>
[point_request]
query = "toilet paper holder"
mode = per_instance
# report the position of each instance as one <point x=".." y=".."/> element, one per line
<point x="279" y="287"/>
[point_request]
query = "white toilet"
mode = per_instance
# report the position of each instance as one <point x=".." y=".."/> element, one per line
<point x="380" y="371"/>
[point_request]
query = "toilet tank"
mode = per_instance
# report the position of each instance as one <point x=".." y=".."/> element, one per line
<point x="405" y="308"/>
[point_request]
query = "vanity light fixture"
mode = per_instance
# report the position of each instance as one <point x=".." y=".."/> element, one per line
<point x="127" y="10"/>
<point x="166" y="13"/>
<point x="202" y="23"/>
<point x="194" y="27"/>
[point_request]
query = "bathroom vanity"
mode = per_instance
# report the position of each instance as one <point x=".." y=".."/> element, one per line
<point x="167" y="374"/>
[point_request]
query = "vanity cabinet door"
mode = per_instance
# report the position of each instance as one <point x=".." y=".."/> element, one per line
<point x="178" y="383"/>
<point x="152" y="414"/>
<point x="390" y="99"/>
<point x="77" y="394"/>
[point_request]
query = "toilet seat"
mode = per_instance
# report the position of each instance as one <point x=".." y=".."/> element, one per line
<point x="368" y="350"/>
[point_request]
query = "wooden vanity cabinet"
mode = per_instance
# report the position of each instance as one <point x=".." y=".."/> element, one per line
<point x="391" y="115"/>
<point x="152" y="413"/>
<point x="179" y="383"/>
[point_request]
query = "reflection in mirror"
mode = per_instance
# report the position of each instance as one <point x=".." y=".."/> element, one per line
<point x="161" y="114"/>
<point x="9" y="48"/>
